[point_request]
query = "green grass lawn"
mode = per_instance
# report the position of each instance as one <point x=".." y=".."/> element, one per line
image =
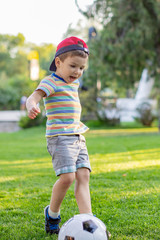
<point x="125" y="183"/>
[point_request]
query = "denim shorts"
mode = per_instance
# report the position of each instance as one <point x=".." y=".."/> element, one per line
<point x="68" y="152"/>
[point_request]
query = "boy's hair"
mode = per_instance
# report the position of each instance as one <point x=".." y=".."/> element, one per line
<point x="71" y="46"/>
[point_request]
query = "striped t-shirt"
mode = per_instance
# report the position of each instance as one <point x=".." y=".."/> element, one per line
<point x="62" y="105"/>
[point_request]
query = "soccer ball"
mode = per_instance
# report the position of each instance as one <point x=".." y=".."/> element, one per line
<point x="83" y="227"/>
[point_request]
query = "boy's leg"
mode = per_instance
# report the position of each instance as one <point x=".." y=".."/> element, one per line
<point x="82" y="192"/>
<point x="59" y="190"/>
<point x="58" y="193"/>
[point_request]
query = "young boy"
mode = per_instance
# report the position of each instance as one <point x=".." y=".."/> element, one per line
<point x="65" y="143"/>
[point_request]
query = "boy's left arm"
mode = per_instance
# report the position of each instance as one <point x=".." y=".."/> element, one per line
<point x="31" y="104"/>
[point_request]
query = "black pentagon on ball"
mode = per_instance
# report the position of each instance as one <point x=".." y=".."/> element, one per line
<point x="89" y="226"/>
<point x="69" y="238"/>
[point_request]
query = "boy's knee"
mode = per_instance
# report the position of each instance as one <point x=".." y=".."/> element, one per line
<point x="83" y="175"/>
<point x="67" y="179"/>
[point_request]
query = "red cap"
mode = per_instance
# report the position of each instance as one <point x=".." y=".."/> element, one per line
<point x="67" y="45"/>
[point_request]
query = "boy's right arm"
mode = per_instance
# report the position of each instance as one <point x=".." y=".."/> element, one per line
<point x="31" y="104"/>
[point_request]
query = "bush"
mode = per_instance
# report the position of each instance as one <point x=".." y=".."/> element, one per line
<point x="26" y="122"/>
<point x="88" y="103"/>
<point x="106" y="108"/>
<point x="9" y="99"/>
<point x="146" y="114"/>
<point x="13" y="89"/>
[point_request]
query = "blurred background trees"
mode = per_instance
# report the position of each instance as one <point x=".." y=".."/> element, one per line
<point x="14" y="68"/>
<point x="127" y="40"/>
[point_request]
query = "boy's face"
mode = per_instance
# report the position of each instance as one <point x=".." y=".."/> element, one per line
<point x="71" y="68"/>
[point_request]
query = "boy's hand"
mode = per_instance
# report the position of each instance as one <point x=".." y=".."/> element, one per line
<point x="33" y="112"/>
<point x="31" y="104"/>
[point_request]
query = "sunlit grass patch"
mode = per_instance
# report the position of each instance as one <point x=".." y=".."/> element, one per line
<point x="125" y="160"/>
<point x="112" y="132"/>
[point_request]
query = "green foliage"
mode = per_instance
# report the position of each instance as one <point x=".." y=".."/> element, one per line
<point x="146" y="114"/>
<point x="13" y="89"/>
<point x="128" y="42"/>
<point x="88" y="103"/>
<point x="97" y="124"/>
<point x="23" y="85"/>
<point x="12" y="58"/>
<point x="26" y="122"/>
<point x="46" y="55"/>
<point x="14" y="68"/>
<point x="9" y="99"/>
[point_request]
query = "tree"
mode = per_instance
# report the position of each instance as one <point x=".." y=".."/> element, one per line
<point x="46" y="55"/>
<point x="14" y="68"/>
<point x="129" y="41"/>
<point x="12" y="57"/>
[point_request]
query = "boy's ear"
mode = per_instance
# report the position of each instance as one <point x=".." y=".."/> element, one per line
<point x="57" y="61"/>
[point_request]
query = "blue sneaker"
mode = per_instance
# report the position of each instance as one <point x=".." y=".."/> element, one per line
<point x="51" y="224"/>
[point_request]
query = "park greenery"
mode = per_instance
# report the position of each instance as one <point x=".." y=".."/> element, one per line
<point x="14" y="68"/>
<point x="124" y="183"/>
<point x="127" y="40"/>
